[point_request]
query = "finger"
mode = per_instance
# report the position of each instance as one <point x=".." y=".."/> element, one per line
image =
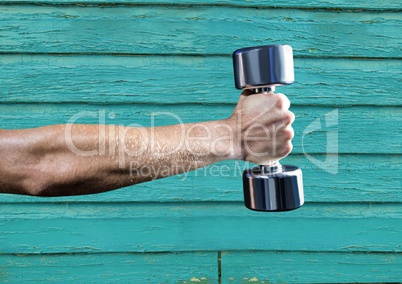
<point x="284" y="130"/>
<point x="290" y="116"/>
<point x="282" y="101"/>
<point x="288" y="132"/>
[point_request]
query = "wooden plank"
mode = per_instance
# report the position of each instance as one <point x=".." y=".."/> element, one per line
<point x="360" y="178"/>
<point x="200" y="267"/>
<point x="153" y="227"/>
<point x="338" y="4"/>
<point x="350" y="129"/>
<point x="310" y="267"/>
<point x="153" y="79"/>
<point x="197" y="30"/>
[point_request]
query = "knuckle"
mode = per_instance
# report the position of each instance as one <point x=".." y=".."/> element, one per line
<point x="279" y="102"/>
<point x="282" y="101"/>
<point x="289" y="117"/>
<point x="289" y="133"/>
<point x="287" y="148"/>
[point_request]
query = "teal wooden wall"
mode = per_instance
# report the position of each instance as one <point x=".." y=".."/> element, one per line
<point x="125" y="59"/>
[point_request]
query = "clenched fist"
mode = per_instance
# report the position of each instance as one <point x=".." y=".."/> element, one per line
<point x="264" y="125"/>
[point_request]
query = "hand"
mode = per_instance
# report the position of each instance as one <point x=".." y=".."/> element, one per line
<point x="264" y="125"/>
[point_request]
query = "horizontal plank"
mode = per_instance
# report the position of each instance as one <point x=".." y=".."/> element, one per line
<point x="197" y="30"/>
<point x="318" y="129"/>
<point x="200" y="267"/>
<point x="302" y="267"/>
<point x="154" y="227"/>
<point x="338" y="4"/>
<point x="360" y="178"/>
<point x="186" y="79"/>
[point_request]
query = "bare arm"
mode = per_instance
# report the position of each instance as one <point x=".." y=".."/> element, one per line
<point x="83" y="159"/>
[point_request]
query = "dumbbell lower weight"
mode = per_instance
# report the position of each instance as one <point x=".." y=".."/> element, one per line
<point x="273" y="187"/>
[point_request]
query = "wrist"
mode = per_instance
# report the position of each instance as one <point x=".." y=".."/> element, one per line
<point x="211" y="140"/>
<point x="228" y="139"/>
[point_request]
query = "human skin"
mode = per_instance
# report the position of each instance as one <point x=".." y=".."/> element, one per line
<point x="75" y="159"/>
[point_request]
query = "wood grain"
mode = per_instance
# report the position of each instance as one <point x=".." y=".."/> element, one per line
<point x="127" y="59"/>
<point x="356" y="5"/>
<point x="310" y="267"/>
<point x="198" y="30"/>
<point x="160" y="227"/>
<point x="181" y="268"/>
<point x="187" y="79"/>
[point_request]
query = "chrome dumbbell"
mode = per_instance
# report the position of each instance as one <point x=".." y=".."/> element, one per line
<point x="272" y="187"/>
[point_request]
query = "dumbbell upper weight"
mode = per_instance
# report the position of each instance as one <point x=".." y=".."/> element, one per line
<point x="263" y="67"/>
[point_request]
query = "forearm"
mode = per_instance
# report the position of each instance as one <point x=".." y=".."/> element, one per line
<point x="85" y="159"/>
<point x="132" y="155"/>
<point x="82" y="159"/>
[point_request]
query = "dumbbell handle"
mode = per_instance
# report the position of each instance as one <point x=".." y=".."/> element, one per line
<point x="264" y="90"/>
<point x="273" y="166"/>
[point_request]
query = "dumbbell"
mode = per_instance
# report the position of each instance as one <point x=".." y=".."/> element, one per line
<point x="272" y="187"/>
